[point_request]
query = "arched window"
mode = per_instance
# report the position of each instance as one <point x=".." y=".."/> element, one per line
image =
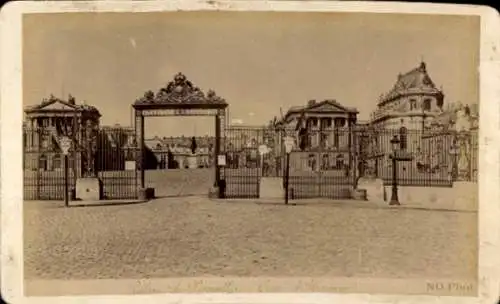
<point x="403" y="140"/>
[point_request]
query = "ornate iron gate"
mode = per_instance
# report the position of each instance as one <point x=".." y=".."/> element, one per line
<point x="115" y="162"/>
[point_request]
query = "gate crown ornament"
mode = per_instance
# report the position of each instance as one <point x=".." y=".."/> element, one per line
<point x="180" y="91"/>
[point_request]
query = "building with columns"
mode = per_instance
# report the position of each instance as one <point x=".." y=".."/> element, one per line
<point x="45" y="123"/>
<point x="324" y="135"/>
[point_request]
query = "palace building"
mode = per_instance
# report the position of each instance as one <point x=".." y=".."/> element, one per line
<point x="414" y="110"/>
<point x="413" y="100"/>
<point x="45" y="123"/>
<point x="180" y="149"/>
<point x="324" y="132"/>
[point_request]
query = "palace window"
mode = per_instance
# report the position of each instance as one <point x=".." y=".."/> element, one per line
<point x="42" y="163"/>
<point x="313" y="122"/>
<point x="427" y="105"/>
<point x="324" y="140"/>
<point x="56" y="162"/>
<point x="326" y="123"/>
<point x="413" y="104"/>
<point x="339" y="161"/>
<point x="336" y="138"/>
<point x="312" y="162"/>
<point x="403" y="140"/>
<point x="325" y="162"/>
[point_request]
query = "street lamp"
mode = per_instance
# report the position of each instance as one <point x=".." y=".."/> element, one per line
<point x="288" y="142"/>
<point x="394" y="195"/>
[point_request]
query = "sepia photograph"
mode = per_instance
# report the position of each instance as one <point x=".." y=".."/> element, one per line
<point x="240" y="151"/>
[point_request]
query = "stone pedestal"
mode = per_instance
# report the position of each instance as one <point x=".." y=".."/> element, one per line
<point x="213" y="192"/>
<point x="130" y="165"/>
<point x="359" y="194"/>
<point x="374" y="188"/>
<point x="192" y="161"/>
<point x="89" y="189"/>
<point x="271" y="188"/>
<point x="146" y="193"/>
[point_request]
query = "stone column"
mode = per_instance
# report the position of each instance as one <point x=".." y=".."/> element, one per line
<point x="217" y="149"/>
<point x="350" y="144"/>
<point x="139" y="133"/>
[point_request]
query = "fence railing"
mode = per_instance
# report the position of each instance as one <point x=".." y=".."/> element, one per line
<point x="324" y="162"/>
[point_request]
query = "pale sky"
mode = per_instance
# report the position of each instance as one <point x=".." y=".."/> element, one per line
<point x="258" y="62"/>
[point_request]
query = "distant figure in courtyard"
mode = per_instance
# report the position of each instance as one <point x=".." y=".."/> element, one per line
<point x="193" y="145"/>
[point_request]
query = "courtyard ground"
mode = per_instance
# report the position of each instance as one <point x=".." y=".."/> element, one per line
<point x="193" y="236"/>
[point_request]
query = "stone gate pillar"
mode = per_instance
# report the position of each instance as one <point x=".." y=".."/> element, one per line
<point x="464" y="153"/>
<point x="217" y="149"/>
<point x="139" y="134"/>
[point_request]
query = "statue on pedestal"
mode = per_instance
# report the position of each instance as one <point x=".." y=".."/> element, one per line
<point x="462" y="127"/>
<point x="90" y="148"/>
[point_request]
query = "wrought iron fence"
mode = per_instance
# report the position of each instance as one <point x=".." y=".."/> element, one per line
<point x="434" y="156"/>
<point x="243" y="168"/>
<point x="328" y="162"/>
<point x="323" y="163"/>
<point x="115" y="162"/>
<point x="43" y="166"/>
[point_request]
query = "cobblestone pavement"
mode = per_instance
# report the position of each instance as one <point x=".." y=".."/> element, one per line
<point x="195" y="237"/>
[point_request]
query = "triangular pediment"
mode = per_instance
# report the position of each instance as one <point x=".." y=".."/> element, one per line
<point x="328" y="106"/>
<point x="58" y="106"/>
<point x="53" y="104"/>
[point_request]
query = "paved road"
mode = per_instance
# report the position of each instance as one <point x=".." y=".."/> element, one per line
<point x="195" y="236"/>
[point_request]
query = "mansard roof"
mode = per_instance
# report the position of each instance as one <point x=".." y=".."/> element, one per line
<point x="416" y="81"/>
<point x="180" y="93"/>
<point x="54" y="104"/>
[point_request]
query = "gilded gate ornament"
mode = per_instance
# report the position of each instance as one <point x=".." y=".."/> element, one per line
<point x="180" y="91"/>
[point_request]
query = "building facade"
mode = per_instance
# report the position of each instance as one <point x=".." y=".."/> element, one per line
<point x="47" y="122"/>
<point x="180" y="149"/>
<point x="415" y="112"/>
<point x="411" y="103"/>
<point x="324" y="135"/>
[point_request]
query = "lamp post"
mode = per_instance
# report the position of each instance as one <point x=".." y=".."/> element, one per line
<point x="288" y="142"/>
<point x="394" y="194"/>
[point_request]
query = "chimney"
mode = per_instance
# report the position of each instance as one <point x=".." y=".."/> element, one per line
<point x="311" y="103"/>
